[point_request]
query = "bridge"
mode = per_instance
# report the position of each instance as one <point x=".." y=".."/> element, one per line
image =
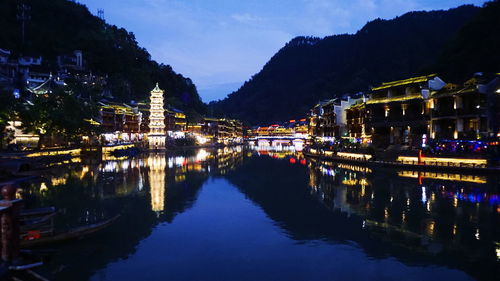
<point x="278" y="140"/>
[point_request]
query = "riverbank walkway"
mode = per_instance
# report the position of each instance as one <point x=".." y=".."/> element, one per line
<point x="406" y="162"/>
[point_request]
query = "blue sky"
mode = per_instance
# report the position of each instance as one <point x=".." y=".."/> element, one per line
<point x="220" y="44"/>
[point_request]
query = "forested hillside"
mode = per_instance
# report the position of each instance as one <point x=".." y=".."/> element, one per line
<point x="307" y="69"/>
<point x="57" y="27"/>
<point x="476" y="47"/>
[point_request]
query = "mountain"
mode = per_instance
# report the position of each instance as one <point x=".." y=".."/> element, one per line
<point x="309" y="69"/>
<point x="474" y="49"/>
<point x="58" y="27"/>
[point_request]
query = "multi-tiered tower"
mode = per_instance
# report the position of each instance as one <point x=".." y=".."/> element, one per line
<point x="156" y="134"/>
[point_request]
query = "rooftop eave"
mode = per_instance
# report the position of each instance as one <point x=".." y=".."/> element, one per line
<point x="414" y="80"/>
<point x="394" y="99"/>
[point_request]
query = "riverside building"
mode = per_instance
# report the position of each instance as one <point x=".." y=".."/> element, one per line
<point x="221" y="130"/>
<point x="120" y="123"/>
<point x="398" y="113"/>
<point x="467" y="112"/>
<point x="415" y="111"/>
<point x="323" y="121"/>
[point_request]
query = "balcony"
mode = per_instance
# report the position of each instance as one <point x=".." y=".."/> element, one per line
<point x="448" y="112"/>
<point x="460" y="112"/>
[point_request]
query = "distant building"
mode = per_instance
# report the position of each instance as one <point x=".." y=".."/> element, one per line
<point x="41" y="83"/>
<point x="175" y="121"/>
<point x="355" y="120"/>
<point x="323" y="121"/>
<point x="120" y="122"/>
<point x="222" y="130"/>
<point x="30" y="61"/>
<point x="71" y="62"/>
<point x="301" y="128"/>
<point x="20" y="137"/>
<point x="340" y="106"/>
<point x="316" y="120"/>
<point x="8" y="69"/>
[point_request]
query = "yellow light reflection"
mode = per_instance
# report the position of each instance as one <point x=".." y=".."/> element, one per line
<point x="498" y="250"/>
<point x="73" y="152"/>
<point x="157" y="165"/>
<point x="354" y="168"/>
<point x="443" y="176"/>
<point x="356" y="156"/>
<point x="438" y="161"/>
<point x="430" y="228"/>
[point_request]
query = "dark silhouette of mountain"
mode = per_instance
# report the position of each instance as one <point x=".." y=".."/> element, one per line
<point x="474" y="49"/>
<point x="58" y="27"/>
<point x="309" y="69"/>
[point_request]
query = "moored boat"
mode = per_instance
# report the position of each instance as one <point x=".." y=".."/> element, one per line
<point x="35" y="238"/>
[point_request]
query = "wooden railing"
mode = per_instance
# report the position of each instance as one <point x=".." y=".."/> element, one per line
<point x="10" y="208"/>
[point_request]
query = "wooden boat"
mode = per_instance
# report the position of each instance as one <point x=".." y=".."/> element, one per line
<point x="30" y="223"/>
<point x="74" y="233"/>
<point x="37" y="211"/>
<point x="32" y="217"/>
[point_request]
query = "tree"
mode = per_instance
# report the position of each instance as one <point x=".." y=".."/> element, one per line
<point x="308" y="70"/>
<point x="109" y="52"/>
<point x="6" y="114"/>
<point x="60" y="114"/>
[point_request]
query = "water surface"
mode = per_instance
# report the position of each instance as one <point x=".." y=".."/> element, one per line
<point x="238" y="214"/>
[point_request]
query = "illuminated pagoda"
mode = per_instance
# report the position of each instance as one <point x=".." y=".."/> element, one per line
<point x="156" y="136"/>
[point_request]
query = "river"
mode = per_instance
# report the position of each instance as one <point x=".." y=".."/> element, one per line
<point x="258" y="214"/>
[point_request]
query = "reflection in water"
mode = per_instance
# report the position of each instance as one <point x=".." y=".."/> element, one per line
<point x="442" y="176"/>
<point x="431" y="213"/>
<point x="157" y="164"/>
<point x="420" y="219"/>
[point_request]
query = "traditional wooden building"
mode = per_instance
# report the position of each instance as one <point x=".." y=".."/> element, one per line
<point x="412" y="111"/>
<point x="175" y="120"/>
<point x="330" y="128"/>
<point x="399" y="112"/>
<point x="220" y="130"/>
<point x="340" y="107"/>
<point x="301" y="127"/>
<point x="120" y="122"/>
<point x="355" y="120"/>
<point x="323" y="121"/>
<point x="467" y="112"/>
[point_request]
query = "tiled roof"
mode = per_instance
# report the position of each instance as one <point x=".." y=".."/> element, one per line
<point x="408" y="81"/>
<point x="395" y="99"/>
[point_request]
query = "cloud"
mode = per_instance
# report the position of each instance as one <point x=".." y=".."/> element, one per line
<point x="246" y="18"/>
<point x="219" y="42"/>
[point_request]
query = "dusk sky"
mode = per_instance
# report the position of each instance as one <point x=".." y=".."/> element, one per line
<point x="219" y="44"/>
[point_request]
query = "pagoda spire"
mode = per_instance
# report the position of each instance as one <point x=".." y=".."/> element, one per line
<point x="157" y="88"/>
